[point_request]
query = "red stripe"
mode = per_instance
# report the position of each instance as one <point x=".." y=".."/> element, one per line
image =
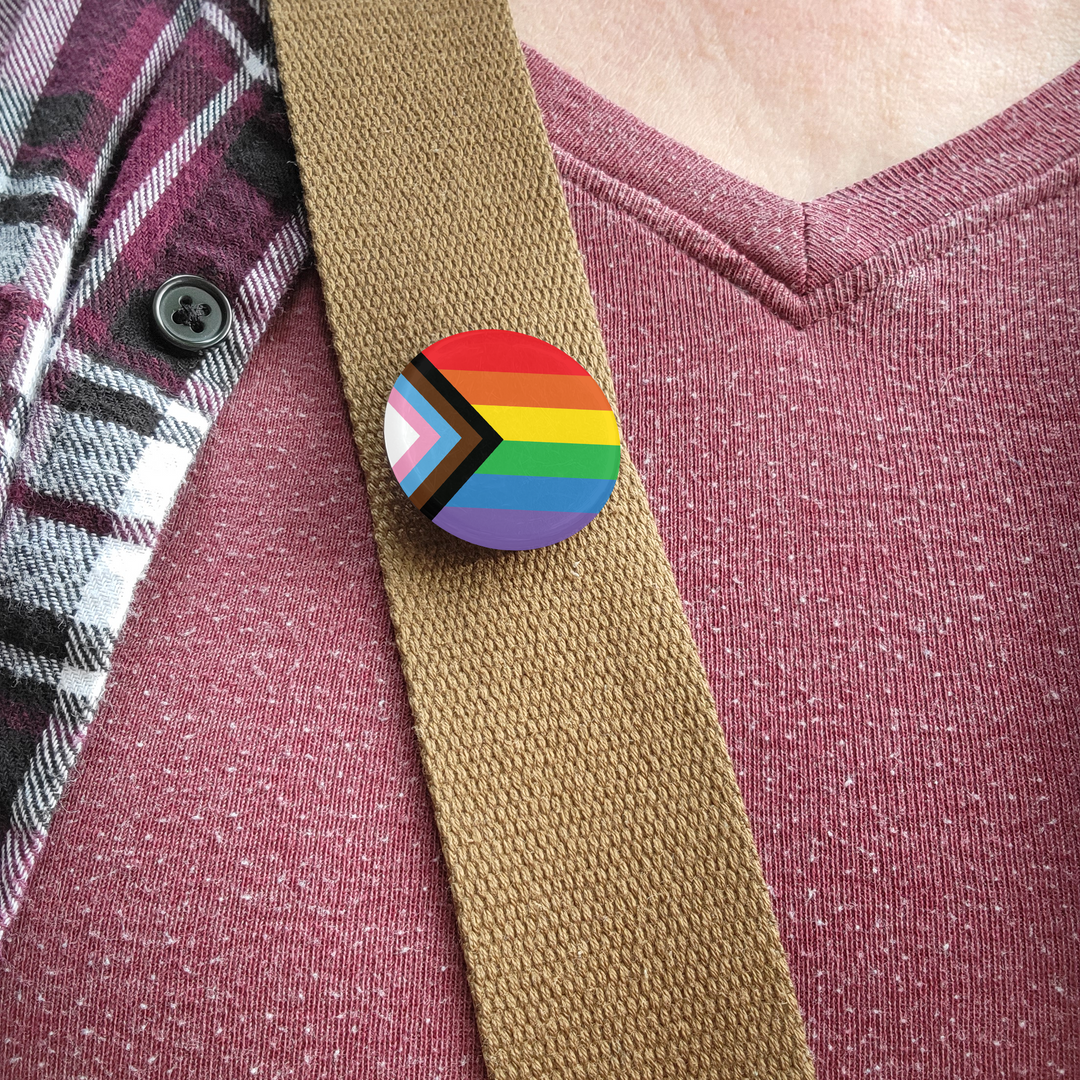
<point x="500" y="350"/>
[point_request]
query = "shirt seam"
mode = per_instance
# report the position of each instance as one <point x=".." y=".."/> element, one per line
<point x="803" y="300"/>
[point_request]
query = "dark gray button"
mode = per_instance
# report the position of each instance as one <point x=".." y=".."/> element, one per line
<point x="191" y="314"/>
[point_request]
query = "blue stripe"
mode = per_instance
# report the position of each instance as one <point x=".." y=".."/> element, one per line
<point x="566" y="494"/>
<point x="448" y="437"/>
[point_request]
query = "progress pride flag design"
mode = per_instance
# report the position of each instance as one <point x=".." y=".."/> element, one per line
<point x="502" y="439"/>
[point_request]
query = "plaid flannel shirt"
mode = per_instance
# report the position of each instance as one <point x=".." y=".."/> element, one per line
<point x="139" y="139"/>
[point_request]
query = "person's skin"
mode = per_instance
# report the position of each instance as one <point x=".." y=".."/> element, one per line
<point x="806" y="96"/>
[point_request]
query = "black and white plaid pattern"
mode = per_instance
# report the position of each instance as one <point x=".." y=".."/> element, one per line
<point x="191" y="173"/>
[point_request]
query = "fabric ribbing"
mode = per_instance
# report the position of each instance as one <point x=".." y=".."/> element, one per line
<point x="612" y="911"/>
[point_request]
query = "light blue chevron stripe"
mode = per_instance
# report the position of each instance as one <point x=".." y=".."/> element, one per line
<point x="448" y="437"/>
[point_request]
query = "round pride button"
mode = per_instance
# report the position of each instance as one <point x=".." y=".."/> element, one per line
<point x="502" y="440"/>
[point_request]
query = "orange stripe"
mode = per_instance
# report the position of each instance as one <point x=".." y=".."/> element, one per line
<point x="530" y="391"/>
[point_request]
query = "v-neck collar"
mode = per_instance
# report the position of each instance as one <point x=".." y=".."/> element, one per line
<point x="804" y="260"/>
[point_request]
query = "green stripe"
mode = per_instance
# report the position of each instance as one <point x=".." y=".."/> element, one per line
<point x="590" y="461"/>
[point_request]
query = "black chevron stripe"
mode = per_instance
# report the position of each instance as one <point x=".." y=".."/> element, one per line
<point x="489" y="437"/>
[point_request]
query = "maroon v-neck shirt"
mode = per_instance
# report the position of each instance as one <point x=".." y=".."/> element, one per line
<point x="856" y="420"/>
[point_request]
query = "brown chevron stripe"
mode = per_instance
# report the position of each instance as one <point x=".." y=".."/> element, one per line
<point x="470" y="437"/>
<point x="489" y="437"/>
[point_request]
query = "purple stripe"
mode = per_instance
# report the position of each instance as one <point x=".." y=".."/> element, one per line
<point x="89" y="518"/>
<point x="83" y="516"/>
<point x="20" y="717"/>
<point x="510" y="530"/>
<point x="31" y="55"/>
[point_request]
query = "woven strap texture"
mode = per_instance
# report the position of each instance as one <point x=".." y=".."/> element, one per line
<point x="612" y="911"/>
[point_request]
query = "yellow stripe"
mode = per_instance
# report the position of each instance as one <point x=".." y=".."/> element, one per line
<point x="520" y="424"/>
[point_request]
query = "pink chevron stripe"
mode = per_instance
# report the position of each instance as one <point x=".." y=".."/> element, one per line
<point x="428" y="436"/>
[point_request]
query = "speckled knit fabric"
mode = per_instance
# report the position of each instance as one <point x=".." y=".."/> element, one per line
<point x="856" y="422"/>
<point x="138" y="140"/>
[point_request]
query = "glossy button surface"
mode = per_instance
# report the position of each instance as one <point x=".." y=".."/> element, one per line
<point x="502" y="440"/>
<point x="191" y="313"/>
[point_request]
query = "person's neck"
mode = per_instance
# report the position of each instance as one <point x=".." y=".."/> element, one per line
<point x="805" y="96"/>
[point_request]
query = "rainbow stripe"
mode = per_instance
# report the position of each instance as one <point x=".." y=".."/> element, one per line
<point x="502" y="439"/>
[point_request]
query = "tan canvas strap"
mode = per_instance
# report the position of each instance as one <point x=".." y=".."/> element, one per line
<point x="612" y="911"/>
